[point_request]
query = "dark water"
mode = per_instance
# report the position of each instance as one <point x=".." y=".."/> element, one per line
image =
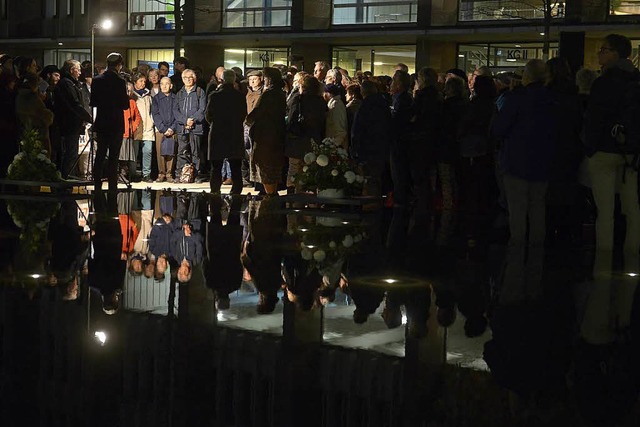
<point x="336" y="316"/>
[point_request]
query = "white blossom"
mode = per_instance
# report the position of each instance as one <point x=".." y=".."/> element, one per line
<point x="305" y="168"/>
<point x="309" y="158"/>
<point x="332" y="244"/>
<point x="306" y="254"/>
<point x="319" y="255"/>
<point x="334" y="172"/>
<point x="359" y="178"/>
<point x="350" y="177"/>
<point x="347" y="242"/>
<point x="322" y="160"/>
<point x="41" y="157"/>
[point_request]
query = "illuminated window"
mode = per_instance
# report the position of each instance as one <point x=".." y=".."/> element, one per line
<point x="498" y="10"/>
<point x="152" y="15"/>
<point x="347" y="12"/>
<point x="257" y="13"/>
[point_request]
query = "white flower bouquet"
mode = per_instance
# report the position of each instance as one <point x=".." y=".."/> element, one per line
<point x="327" y="166"/>
<point x="32" y="163"/>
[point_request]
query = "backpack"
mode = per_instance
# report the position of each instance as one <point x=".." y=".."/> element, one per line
<point x="187" y="174"/>
<point x="627" y="129"/>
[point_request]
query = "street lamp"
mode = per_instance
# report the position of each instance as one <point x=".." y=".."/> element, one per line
<point x="107" y="24"/>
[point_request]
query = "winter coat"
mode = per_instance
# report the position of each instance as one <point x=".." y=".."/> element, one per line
<point x="131" y="119"/>
<point x="109" y="96"/>
<point x="222" y="267"/>
<point x="474" y="135"/>
<point x="129" y="231"/>
<point x="371" y="131"/>
<point x="528" y="126"/>
<point x="337" y="124"/>
<point x="402" y="113"/>
<point x="607" y="94"/>
<point x="160" y="237"/>
<point x="427" y="120"/>
<point x="176" y="81"/>
<point x="146" y="130"/>
<point x="186" y="247"/>
<point x="268" y="126"/>
<point x="352" y="108"/>
<point x="252" y="98"/>
<point x="162" y="112"/>
<point x="226" y="111"/>
<point x="190" y="105"/>
<point x="307" y="121"/>
<point x="31" y="112"/>
<point x="453" y="111"/>
<point x="569" y="149"/>
<point x="70" y="109"/>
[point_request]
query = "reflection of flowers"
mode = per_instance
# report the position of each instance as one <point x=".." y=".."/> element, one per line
<point x="32" y="217"/>
<point x="32" y="163"/>
<point x="323" y="245"/>
<point x="329" y="166"/>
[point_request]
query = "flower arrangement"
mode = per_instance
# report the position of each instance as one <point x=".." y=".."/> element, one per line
<point x="327" y="166"/>
<point x="32" y="163"/>
<point x="32" y="217"/>
<point x="323" y="242"/>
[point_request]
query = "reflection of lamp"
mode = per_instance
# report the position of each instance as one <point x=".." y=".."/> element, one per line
<point x="107" y="24"/>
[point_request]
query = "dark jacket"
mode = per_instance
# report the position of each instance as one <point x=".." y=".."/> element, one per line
<point x="527" y="125"/>
<point x="569" y="148"/>
<point x="226" y="111"/>
<point x="190" y="105"/>
<point x="268" y="126"/>
<point x="453" y="111"/>
<point x="69" y="106"/>
<point x="371" y="131"/>
<point x="607" y="94"/>
<point x="186" y="247"/>
<point x="160" y="237"/>
<point x="474" y="136"/>
<point x="109" y="96"/>
<point x="307" y="121"/>
<point x="222" y="267"/>
<point x="162" y="112"/>
<point x="402" y="113"/>
<point x="427" y="111"/>
<point x="176" y="81"/>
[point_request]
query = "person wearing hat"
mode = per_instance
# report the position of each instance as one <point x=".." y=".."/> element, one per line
<point x="109" y="97"/>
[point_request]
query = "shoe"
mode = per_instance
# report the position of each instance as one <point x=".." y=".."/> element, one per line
<point x="201" y="179"/>
<point x="147" y="179"/>
<point x="223" y="302"/>
<point x="170" y="180"/>
<point x="161" y="178"/>
<point x="227" y="181"/>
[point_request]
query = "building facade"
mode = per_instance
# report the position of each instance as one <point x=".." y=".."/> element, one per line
<point x="363" y="35"/>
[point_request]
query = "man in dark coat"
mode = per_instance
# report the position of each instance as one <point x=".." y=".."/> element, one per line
<point x="226" y="111"/>
<point x="188" y="111"/>
<point x="109" y="97"/>
<point x="165" y="123"/>
<point x="71" y="115"/>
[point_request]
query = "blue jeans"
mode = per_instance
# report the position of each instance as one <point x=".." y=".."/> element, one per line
<point x="147" y="156"/>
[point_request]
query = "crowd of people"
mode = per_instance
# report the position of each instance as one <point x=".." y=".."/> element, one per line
<point x="516" y="141"/>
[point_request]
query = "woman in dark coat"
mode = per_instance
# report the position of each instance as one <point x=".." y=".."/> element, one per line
<point x="226" y="111"/>
<point x="268" y="132"/>
<point x="307" y="117"/>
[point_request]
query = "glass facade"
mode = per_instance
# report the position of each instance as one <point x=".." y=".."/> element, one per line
<point x="151" y="57"/>
<point x="257" y="13"/>
<point x="500" y="56"/>
<point x="374" y="12"/>
<point x="58" y="56"/>
<point x="624" y="7"/>
<point x="147" y="15"/>
<point x="251" y="59"/>
<point x="380" y="60"/>
<point x="497" y="10"/>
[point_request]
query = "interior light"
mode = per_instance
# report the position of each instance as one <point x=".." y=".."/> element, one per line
<point x="35" y="276"/>
<point x="310" y="246"/>
<point x="632" y="274"/>
<point x="542" y="34"/>
<point x="511" y="60"/>
<point x="60" y="43"/>
<point x="390" y="281"/>
<point x="518" y="45"/>
<point x="304" y="229"/>
<point x="460" y="55"/>
<point x="378" y="63"/>
<point x="101" y="336"/>
<point x="231" y="61"/>
<point x="404" y="319"/>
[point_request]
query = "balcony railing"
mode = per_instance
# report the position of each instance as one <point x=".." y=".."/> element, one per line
<point x="253" y="17"/>
<point x="146" y="21"/>
<point x="375" y="12"/>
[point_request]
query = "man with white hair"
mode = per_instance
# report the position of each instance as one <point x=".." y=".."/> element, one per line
<point x="320" y="70"/>
<point x="188" y="110"/>
<point x="226" y="111"/>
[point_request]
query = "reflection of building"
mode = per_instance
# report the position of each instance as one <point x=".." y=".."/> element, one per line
<point x="370" y="35"/>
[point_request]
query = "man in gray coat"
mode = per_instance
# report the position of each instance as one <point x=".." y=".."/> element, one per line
<point x="226" y="111"/>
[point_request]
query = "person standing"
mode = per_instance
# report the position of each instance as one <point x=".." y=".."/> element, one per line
<point x="226" y="111"/>
<point x="165" y="122"/>
<point x="188" y="111"/>
<point x="109" y="97"/>
<point x="71" y="116"/>
<point x="179" y="66"/>
<point x="254" y="91"/>
<point x="267" y="121"/>
<point x="145" y="133"/>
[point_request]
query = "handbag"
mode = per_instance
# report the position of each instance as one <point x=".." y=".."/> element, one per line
<point x="168" y="146"/>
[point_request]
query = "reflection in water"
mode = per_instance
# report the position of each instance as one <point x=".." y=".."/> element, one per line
<point x="161" y="308"/>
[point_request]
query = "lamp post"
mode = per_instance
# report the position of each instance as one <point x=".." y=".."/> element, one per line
<point x="106" y="25"/>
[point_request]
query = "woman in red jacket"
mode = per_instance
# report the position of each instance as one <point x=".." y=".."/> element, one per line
<point x="129" y="148"/>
